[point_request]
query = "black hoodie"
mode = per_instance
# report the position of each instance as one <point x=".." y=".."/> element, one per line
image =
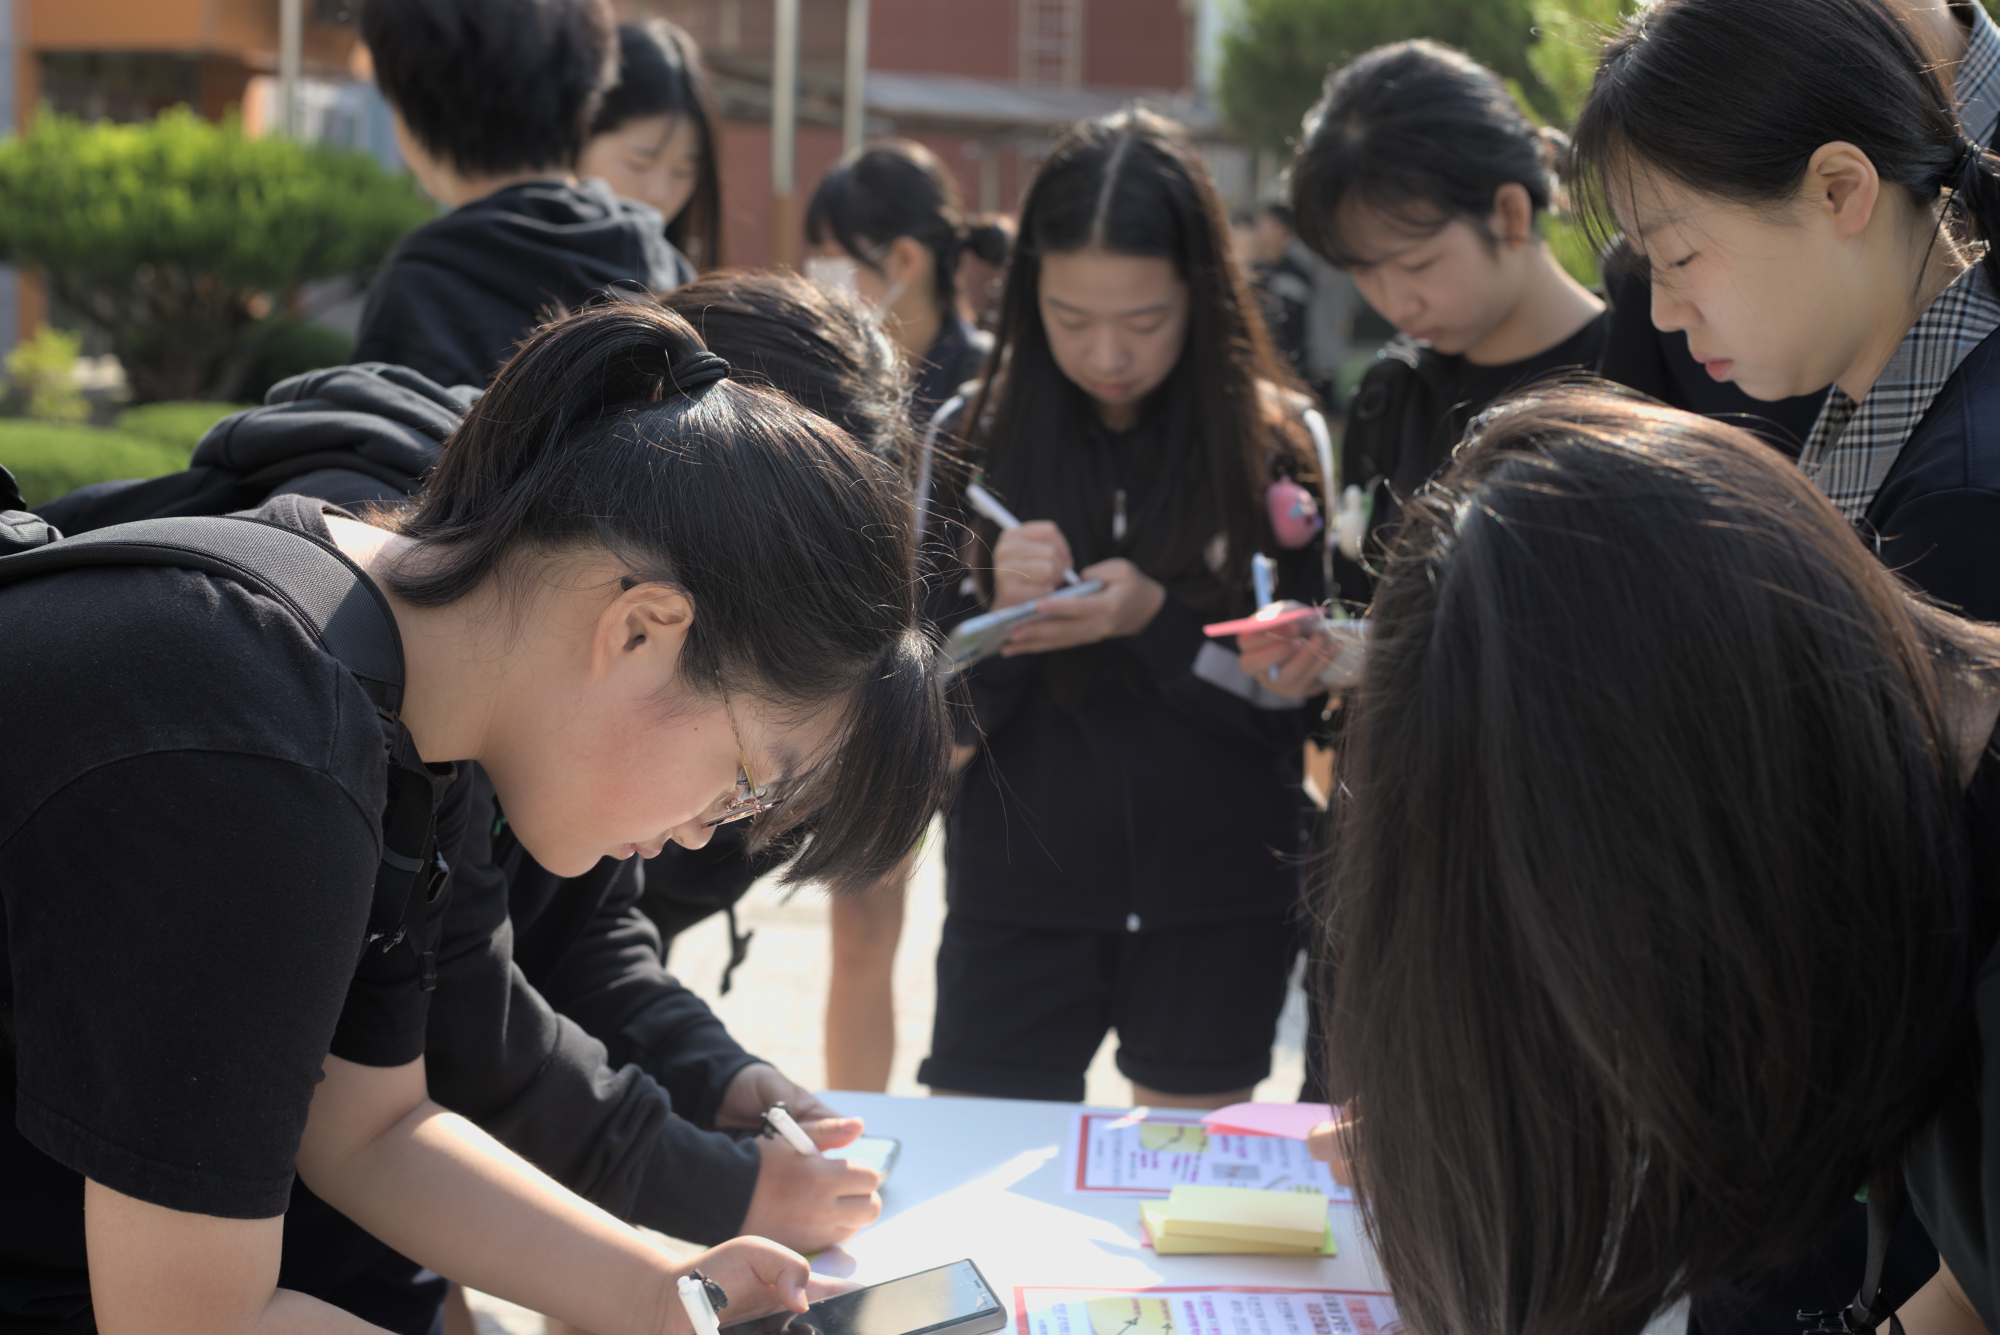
<point x="457" y="294"/>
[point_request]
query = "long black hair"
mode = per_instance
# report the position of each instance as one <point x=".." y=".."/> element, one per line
<point x="660" y="73"/>
<point x="792" y="542"/>
<point x="1733" y="99"/>
<point x="815" y="346"/>
<point x="1133" y="184"/>
<point x="1422" y="135"/>
<point x="899" y="188"/>
<point x="1648" y="908"/>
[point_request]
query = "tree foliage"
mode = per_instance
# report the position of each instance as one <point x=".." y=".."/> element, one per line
<point x="188" y="244"/>
<point x="1276" y="54"/>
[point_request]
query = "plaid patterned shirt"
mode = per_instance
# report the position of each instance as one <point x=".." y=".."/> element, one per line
<point x="1853" y="445"/>
<point x="1978" y="79"/>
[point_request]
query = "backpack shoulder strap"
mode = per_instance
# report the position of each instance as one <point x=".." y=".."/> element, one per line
<point x="315" y="580"/>
<point x="344" y="609"/>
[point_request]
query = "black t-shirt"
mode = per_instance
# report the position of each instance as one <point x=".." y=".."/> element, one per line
<point x="190" y="816"/>
<point x="1409" y="413"/>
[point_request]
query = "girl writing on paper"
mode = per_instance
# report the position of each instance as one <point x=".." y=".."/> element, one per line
<point x="1122" y="850"/>
<point x="617" y="594"/>
<point x="1422" y="178"/>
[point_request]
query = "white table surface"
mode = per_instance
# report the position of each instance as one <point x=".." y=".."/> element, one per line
<point x="983" y="1178"/>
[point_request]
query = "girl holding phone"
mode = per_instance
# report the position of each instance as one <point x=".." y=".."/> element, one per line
<point x="1137" y="420"/>
<point x="599" y="601"/>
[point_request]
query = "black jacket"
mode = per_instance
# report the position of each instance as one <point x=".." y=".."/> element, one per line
<point x="1120" y="780"/>
<point x="1936" y="519"/>
<point x="456" y="295"/>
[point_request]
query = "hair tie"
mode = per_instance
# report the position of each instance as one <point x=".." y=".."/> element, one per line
<point x="1967" y="157"/>
<point x="696" y="372"/>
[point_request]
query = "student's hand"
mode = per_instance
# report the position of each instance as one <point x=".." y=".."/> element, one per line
<point x="1028" y="562"/>
<point x="1128" y="603"/>
<point x="811" y="1204"/>
<point x="756" y="1087"/>
<point x="1299" y="654"/>
<point x="1331" y="1144"/>
<point x="759" y="1277"/>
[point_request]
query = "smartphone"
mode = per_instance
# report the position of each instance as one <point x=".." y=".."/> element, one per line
<point x="982" y="636"/>
<point x="950" y="1300"/>
<point x="878" y="1152"/>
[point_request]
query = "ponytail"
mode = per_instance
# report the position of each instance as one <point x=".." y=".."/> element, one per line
<point x="893" y="189"/>
<point x="616" y="430"/>
<point x="1975" y="201"/>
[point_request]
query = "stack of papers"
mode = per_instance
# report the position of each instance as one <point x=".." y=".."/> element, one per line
<point x="1238" y="1221"/>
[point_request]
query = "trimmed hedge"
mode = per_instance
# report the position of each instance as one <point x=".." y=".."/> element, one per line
<point x="48" y="459"/>
<point x="182" y="424"/>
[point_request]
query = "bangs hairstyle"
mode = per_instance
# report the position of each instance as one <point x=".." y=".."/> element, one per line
<point x="1732" y="100"/>
<point x="792" y="542"/>
<point x="1648" y="912"/>
<point x="660" y="73"/>
<point x="1133" y="184"/>
<point x="818" y="347"/>
<point x="493" y="86"/>
<point x="1421" y="135"/>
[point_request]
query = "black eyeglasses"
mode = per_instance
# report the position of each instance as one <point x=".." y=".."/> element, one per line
<point x="752" y="798"/>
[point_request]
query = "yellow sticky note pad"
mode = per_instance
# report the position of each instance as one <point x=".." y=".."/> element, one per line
<point x="1130" y="1316"/>
<point x="1293" y="1219"/>
<point x="1180" y="1139"/>
<point x="1151" y="1214"/>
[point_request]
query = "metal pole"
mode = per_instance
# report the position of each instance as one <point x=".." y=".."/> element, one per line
<point x="784" y="129"/>
<point x="291" y="35"/>
<point x="854" y="111"/>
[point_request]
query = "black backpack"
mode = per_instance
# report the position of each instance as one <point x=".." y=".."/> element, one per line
<point x="331" y="597"/>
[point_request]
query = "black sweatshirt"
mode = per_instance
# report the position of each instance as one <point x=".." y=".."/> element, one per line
<point x="456" y="295"/>
<point x="1119" y="787"/>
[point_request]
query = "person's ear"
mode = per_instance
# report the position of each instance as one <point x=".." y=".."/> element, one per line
<point x="906" y="261"/>
<point x="1513" y="222"/>
<point x="1841" y="184"/>
<point x="642" y="629"/>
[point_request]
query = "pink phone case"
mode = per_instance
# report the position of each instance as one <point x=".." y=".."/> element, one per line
<point x="1251" y="625"/>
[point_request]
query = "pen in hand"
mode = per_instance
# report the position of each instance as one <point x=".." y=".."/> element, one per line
<point x="779" y="1119"/>
<point x="987" y="504"/>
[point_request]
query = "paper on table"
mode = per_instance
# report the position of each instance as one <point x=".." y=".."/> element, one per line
<point x="1211" y="1311"/>
<point x="1290" y="1120"/>
<point x="1168" y="1245"/>
<point x="1293" y="1219"/>
<point x="1135" y="1154"/>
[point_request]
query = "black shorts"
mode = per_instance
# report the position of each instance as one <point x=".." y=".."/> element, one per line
<point x="1021" y="1010"/>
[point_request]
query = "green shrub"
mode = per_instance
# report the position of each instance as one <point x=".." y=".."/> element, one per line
<point x="42" y="370"/>
<point x="303" y="347"/>
<point x="50" y="458"/>
<point x="187" y="244"/>
<point x="181" y="425"/>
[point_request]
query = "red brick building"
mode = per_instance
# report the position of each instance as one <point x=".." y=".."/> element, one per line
<point x="984" y="83"/>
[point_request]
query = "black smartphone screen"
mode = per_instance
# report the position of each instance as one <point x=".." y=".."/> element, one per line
<point x="950" y="1300"/>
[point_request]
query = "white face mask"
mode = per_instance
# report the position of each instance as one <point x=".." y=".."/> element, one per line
<point x="835" y="273"/>
<point x="840" y="273"/>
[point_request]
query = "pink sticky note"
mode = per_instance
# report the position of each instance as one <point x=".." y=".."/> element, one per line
<point x="1289" y="1121"/>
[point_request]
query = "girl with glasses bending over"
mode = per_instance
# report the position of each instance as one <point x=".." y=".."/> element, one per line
<point x="645" y="597"/>
<point x="1122" y="849"/>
